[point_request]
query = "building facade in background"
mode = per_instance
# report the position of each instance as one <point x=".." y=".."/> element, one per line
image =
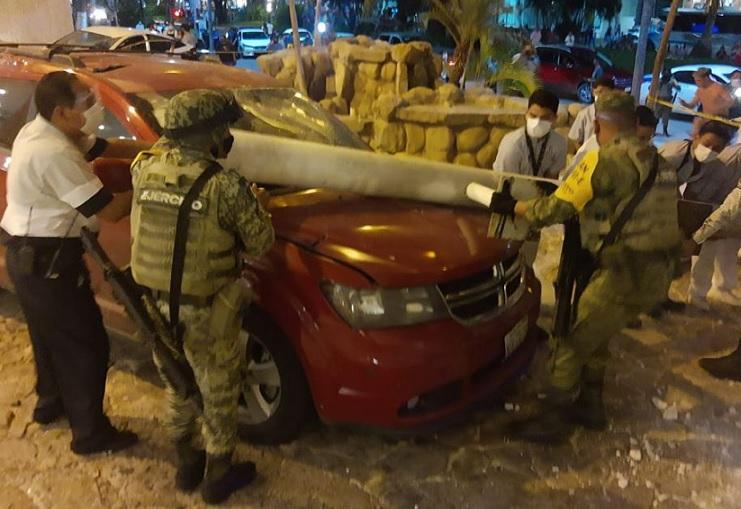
<point x="32" y="21"/>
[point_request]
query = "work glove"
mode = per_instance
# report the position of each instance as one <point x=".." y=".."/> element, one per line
<point x="502" y="203"/>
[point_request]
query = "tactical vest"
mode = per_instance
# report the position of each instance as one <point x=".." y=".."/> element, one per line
<point x="653" y="225"/>
<point x="160" y="184"/>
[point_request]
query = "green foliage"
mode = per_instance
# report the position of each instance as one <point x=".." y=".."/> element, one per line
<point x="255" y="12"/>
<point x="283" y="17"/>
<point x="129" y="13"/>
<point x="154" y="11"/>
<point x="493" y="63"/>
<point x="575" y="14"/>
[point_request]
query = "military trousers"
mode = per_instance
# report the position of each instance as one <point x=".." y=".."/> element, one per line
<point x="215" y="355"/>
<point x="622" y="287"/>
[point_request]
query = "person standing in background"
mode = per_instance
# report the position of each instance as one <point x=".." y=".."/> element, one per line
<point x="711" y="96"/>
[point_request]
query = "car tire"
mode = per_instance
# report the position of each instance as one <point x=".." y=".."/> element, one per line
<point x="270" y="413"/>
<point x="584" y="92"/>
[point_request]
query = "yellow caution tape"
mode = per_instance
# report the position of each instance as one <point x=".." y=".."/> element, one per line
<point x="694" y="113"/>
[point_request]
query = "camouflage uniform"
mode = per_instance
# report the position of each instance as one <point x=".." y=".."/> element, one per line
<point x="633" y="273"/>
<point x="237" y="221"/>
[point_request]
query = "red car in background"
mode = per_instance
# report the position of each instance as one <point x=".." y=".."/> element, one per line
<point x="377" y="312"/>
<point x="567" y="70"/>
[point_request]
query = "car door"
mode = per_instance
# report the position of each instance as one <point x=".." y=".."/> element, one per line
<point x="16" y="98"/>
<point x="570" y="72"/>
<point x="548" y="71"/>
<point x="134" y="44"/>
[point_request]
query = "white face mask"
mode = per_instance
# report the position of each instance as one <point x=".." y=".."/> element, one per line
<point x="537" y="127"/>
<point x="704" y="154"/>
<point x="94" y="117"/>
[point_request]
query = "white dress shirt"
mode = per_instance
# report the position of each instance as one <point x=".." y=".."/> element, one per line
<point x="513" y="155"/>
<point x="47" y="181"/>
<point x="583" y="126"/>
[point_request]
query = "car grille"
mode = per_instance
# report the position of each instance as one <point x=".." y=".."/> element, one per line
<point x="482" y="295"/>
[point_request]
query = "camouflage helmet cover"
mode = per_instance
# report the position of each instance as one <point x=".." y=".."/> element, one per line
<point x="200" y="110"/>
<point x="615" y="101"/>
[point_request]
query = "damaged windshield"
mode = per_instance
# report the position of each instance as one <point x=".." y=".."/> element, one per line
<point x="275" y="111"/>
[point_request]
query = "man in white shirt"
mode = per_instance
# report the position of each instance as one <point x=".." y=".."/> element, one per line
<point x="708" y="170"/>
<point x="51" y="195"/>
<point x="583" y="126"/>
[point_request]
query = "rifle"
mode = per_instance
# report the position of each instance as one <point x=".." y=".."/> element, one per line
<point x="574" y="271"/>
<point x="142" y="309"/>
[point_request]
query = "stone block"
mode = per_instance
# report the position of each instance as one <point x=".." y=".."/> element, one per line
<point x="439" y="139"/>
<point x="340" y="106"/>
<point x="385" y="106"/>
<point x="419" y="95"/>
<point x="486" y="155"/>
<point x="402" y="78"/>
<point x="471" y="139"/>
<point x="362" y="54"/>
<point x="442" y="156"/>
<point x="415" y="135"/>
<point x="336" y="46"/>
<point x="388" y="71"/>
<point x="455" y="116"/>
<point x="465" y="159"/>
<point x="370" y="70"/>
<point x="286" y="75"/>
<point x="356" y="125"/>
<point x="437" y="64"/>
<point x="495" y="137"/>
<point x="387" y="88"/>
<point x="327" y="104"/>
<point x="270" y="64"/>
<point x="388" y="137"/>
<point x="509" y="120"/>
<point x="405" y="53"/>
<point x="343" y="81"/>
<point x="364" y="40"/>
<point x="423" y="47"/>
<point x="449" y="95"/>
<point x="419" y="76"/>
<point x="473" y="93"/>
<point x="331" y="86"/>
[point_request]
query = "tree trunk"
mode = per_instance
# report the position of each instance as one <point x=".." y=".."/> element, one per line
<point x="639" y="12"/>
<point x="297" y="48"/>
<point x="460" y="57"/>
<point x="640" y="62"/>
<point x="317" y="15"/>
<point x="704" y="48"/>
<point x="661" y="53"/>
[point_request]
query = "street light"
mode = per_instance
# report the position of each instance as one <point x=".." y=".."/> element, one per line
<point x="321" y="27"/>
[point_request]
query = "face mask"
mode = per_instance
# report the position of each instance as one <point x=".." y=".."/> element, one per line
<point x="537" y="127"/>
<point x="704" y="154"/>
<point x="94" y="117"/>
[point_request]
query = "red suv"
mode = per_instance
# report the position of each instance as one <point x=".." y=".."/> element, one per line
<point x="371" y="311"/>
<point x="567" y="70"/>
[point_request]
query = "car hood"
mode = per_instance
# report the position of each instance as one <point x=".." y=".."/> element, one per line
<point x="396" y="243"/>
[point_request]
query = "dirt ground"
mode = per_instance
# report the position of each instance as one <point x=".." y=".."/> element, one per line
<point x="673" y="441"/>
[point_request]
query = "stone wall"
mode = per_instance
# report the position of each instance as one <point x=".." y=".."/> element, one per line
<point x="393" y="98"/>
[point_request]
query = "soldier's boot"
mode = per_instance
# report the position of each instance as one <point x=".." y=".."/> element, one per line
<point x="725" y="368"/>
<point x="589" y="409"/>
<point x="191" y="466"/>
<point x="550" y="425"/>
<point x="222" y="478"/>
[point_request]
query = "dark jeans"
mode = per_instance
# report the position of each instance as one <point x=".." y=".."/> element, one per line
<point x="70" y="344"/>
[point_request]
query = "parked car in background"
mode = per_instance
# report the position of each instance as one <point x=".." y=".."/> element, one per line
<point x="399" y="37"/>
<point x="370" y="311"/>
<point x="120" y="39"/>
<point x="683" y="75"/>
<point x="567" y="70"/>
<point x="252" y="41"/>
<point x="305" y="36"/>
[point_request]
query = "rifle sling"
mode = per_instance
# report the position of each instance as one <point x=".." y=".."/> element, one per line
<point x="181" y="239"/>
<point x="637" y="198"/>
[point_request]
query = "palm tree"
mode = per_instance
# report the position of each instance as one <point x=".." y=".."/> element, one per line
<point x="467" y="21"/>
<point x="494" y="65"/>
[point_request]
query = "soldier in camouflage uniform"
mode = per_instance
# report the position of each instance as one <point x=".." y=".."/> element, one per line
<point x="226" y="219"/>
<point x="633" y="273"/>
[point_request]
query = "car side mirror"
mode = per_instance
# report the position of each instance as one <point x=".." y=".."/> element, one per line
<point x="114" y="173"/>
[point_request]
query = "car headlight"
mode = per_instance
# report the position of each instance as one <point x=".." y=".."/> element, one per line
<point x="378" y="308"/>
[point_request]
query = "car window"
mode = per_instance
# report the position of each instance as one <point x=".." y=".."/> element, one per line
<point x="395" y="40"/>
<point x="684" y="77"/>
<point x="135" y="44"/>
<point x="254" y="35"/>
<point x="548" y="56"/>
<point x="567" y="61"/>
<point x="718" y="79"/>
<point x="274" y="111"/>
<point x="112" y="128"/>
<point x="15" y="99"/>
<point x="86" y="39"/>
<point x="160" y="44"/>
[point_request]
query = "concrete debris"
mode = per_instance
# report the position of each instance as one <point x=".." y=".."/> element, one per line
<point x="635" y="454"/>
<point x="671" y="413"/>
<point x="659" y="403"/>
<point x="622" y="481"/>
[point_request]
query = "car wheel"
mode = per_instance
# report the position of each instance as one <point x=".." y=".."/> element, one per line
<point x="274" y="399"/>
<point x="584" y="92"/>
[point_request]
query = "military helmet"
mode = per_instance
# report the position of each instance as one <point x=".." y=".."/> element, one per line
<point x="196" y="111"/>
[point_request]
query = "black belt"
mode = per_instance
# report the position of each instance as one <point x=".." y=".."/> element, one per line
<point x="185" y="300"/>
